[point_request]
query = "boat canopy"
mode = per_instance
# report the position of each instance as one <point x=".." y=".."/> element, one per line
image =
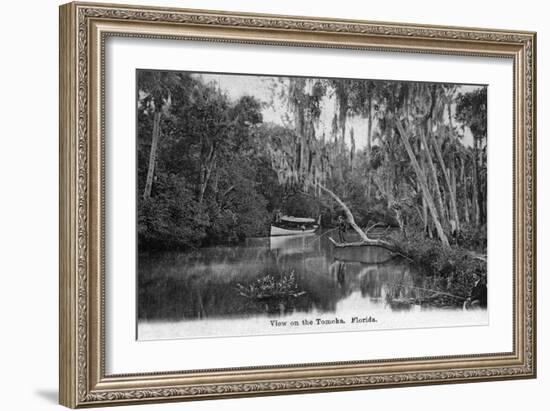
<point x="297" y="219"/>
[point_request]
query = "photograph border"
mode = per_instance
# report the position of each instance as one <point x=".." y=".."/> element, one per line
<point x="265" y="75"/>
<point x="84" y="28"/>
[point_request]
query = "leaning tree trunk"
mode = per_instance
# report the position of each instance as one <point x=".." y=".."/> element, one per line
<point x="152" y="156"/>
<point x="349" y="215"/>
<point x="423" y="184"/>
<point x="365" y="240"/>
<point x="447" y="179"/>
<point x="433" y="172"/>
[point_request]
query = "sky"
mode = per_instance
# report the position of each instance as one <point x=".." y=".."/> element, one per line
<point x="235" y="86"/>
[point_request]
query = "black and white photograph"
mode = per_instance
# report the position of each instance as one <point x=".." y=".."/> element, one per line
<point x="275" y="205"/>
<point x="271" y="204"/>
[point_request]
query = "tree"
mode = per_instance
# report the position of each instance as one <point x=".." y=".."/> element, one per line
<point x="362" y="103"/>
<point x="210" y="161"/>
<point x="471" y="112"/>
<point x="208" y="152"/>
<point x="154" y="90"/>
<point x="423" y="184"/>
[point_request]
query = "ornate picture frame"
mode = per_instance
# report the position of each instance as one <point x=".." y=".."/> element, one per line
<point x="84" y="30"/>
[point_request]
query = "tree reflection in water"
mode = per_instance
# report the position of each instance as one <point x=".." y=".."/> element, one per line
<point x="205" y="282"/>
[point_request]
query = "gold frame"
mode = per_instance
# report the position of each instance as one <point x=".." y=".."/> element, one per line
<point x="83" y="30"/>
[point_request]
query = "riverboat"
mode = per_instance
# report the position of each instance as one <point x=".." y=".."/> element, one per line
<point x="288" y="225"/>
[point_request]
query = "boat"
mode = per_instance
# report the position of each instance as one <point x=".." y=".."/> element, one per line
<point x="288" y="225"/>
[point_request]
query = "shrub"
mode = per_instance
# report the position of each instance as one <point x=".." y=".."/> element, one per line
<point x="452" y="268"/>
<point x="473" y="237"/>
<point x="172" y="221"/>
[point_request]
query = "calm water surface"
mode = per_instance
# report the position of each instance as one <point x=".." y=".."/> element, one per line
<point x="196" y="293"/>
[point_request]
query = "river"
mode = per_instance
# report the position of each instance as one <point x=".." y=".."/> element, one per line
<point x="200" y="293"/>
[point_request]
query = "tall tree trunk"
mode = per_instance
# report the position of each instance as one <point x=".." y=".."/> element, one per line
<point x="342" y="153"/>
<point x="426" y="220"/>
<point x="464" y="183"/>
<point x="369" y="147"/>
<point x="207" y="172"/>
<point x="452" y="175"/>
<point x="344" y="126"/>
<point x="452" y="197"/>
<point x="433" y="172"/>
<point x="475" y="204"/>
<point x="425" y="226"/>
<point x="481" y="195"/>
<point x="152" y="155"/>
<point x="352" y="149"/>
<point x="423" y="184"/>
<point x="449" y="113"/>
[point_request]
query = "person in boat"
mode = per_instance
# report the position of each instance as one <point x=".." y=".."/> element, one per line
<point x="278" y="216"/>
<point x="478" y="294"/>
<point x="341" y="229"/>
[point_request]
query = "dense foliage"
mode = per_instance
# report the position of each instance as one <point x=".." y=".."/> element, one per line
<point x="209" y="176"/>
<point x="211" y="170"/>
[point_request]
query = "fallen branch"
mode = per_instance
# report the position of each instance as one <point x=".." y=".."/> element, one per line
<point x="365" y="240"/>
<point x="371" y="243"/>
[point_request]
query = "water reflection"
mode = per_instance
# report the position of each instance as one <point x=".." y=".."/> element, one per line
<point x="205" y="283"/>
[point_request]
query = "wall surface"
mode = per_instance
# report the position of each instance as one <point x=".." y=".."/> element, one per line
<point x="29" y="189"/>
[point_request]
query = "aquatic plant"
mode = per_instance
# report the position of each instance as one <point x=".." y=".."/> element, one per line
<point x="270" y="287"/>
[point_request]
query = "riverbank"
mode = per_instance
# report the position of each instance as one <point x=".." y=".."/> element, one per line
<point x="451" y="270"/>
